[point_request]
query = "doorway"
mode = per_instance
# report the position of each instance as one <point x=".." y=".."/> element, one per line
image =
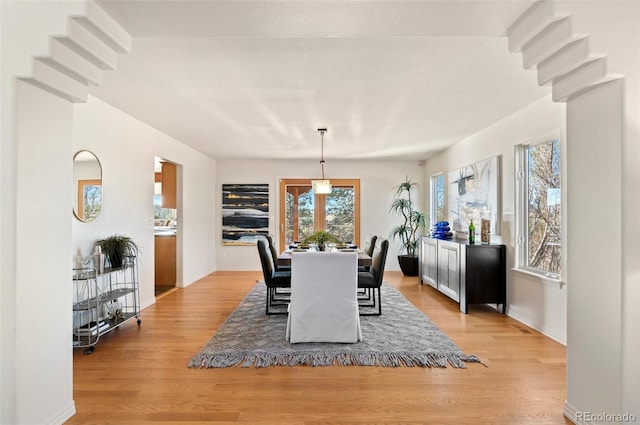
<point x="165" y="225"/>
<point x="302" y="212"/>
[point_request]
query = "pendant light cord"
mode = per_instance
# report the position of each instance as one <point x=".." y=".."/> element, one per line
<point x="322" y="131"/>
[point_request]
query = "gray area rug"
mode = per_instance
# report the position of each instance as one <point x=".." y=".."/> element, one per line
<point x="402" y="336"/>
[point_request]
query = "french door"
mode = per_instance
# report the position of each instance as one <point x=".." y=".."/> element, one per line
<point x="302" y="212"/>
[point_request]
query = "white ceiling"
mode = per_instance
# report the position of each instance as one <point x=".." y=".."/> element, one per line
<point x="256" y="79"/>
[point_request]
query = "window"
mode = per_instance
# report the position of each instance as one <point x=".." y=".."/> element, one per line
<point x="89" y="199"/>
<point x="302" y="212"/>
<point x="162" y="214"/>
<point x="539" y="207"/>
<point x="437" y="198"/>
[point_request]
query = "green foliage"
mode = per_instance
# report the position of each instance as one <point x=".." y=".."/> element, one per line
<point x="320" y="237"/>
<point x="340" y="213"/>
<point x="544" y="215"/>
<point x="413" y="220"/>
<point x="92" y="202"/>
<point x="116" y="247"/>
<point x="339" y="207"/>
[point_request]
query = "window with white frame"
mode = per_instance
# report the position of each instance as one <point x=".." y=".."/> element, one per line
<point x="437" y="198"/>
<point x="539" y="207"/>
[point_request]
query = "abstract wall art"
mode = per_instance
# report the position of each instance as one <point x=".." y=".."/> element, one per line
<point x="245" y="213"/>
<point x="474" y="195"/>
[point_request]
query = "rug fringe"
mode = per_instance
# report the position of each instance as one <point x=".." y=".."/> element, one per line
<point x="341" y="359"/>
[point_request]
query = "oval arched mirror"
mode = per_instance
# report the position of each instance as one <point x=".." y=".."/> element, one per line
<point x="87" y="184"/>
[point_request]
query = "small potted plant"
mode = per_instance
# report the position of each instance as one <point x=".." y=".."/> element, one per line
<point x="116" y="248"/>
<point x="409" y="230"/>
<point x="320" y="238"/>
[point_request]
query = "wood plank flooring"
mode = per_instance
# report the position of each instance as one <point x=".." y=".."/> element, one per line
<point x="139" y="375"/>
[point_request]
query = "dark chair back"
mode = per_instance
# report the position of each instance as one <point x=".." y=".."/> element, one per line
<point x="274" y="256"/>
<point x="379" y="261"/>
<point x="272" y="248"/>
<point x="266" y="261"/>
<point x="372" y="246"/>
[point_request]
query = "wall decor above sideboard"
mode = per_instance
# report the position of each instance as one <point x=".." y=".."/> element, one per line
<point x="474" y="194"/>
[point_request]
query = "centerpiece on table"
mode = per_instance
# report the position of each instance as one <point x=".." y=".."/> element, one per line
<point x="320" y="238"/>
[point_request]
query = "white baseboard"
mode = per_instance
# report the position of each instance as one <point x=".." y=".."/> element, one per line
<point x="562" y="339"/>
<point x="64" y="415"/>
<point x="147" y="303"/>
<point x="586" y="417"/>
<point x="570" y="413"/>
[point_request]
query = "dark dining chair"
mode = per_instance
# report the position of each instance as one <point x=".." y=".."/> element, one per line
<point x="272" y="278"/>
<point x="364" y="294"/>
<point x="274" y="254"/>
<point x="372" y="280"/>
<point x="369" y="251"/>
<point x="279" y="294"/>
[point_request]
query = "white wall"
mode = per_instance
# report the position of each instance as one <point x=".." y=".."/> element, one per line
<point x="591" y="272"/>
<point x="530" y="300"/>
<point x="377" y="181"/>
<point x="36" y="166"/>
<point x="43" y="289"/>
<point x="25" y="29"/>
<point x="604" y="133"/>
<point x="126" y="148"/>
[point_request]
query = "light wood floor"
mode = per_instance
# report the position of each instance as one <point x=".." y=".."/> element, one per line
<point x="139" y="374"/>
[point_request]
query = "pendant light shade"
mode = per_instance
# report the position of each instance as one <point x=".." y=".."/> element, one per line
<point x="321" y="186"/>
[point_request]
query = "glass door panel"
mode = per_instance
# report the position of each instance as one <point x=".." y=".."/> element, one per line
<point x="340" y="213"/>
<point x="302" y="212"/>
<point x="299" y="213"/>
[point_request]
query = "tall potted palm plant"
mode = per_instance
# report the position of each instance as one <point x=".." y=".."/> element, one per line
<point x="408" y="232"/>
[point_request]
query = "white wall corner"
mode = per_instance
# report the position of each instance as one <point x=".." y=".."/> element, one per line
<point x="56" y="82"/>
<point x="551" y="39"/>
<point x="103" y="26"/>
<point x="570" y="413"/>
<point x="78" y="59"/>
<point x="540" y="15"/>
<point x="76" y="66"/>
<point x="87" y="44"/>
<point x="569" y="57"/>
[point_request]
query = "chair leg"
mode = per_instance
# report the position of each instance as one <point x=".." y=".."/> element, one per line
<point x="283" y="291"/>
<point x="367" y="298"/>
<point x="364" y="294"/>
<point x="271" y="292"/>
<point x="372" y="294"/>
<point x="267" y="298"/>
<point x="377" y="302"/>
<point x="374" y="297"/>
<point x="281" y="297"/>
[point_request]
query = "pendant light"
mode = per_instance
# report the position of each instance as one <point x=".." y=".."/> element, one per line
<point x="321" y="186"/>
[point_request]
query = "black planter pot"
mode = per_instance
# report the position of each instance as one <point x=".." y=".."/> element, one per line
<point x="115" y="260"/>
<point x="408" y="265"/>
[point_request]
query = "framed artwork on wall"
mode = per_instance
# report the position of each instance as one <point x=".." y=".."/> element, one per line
<point x="245" y="213"/>
<point x="474" y="195"/>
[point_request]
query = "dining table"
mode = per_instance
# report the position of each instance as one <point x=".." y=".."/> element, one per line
<point x="284" y="259"/>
